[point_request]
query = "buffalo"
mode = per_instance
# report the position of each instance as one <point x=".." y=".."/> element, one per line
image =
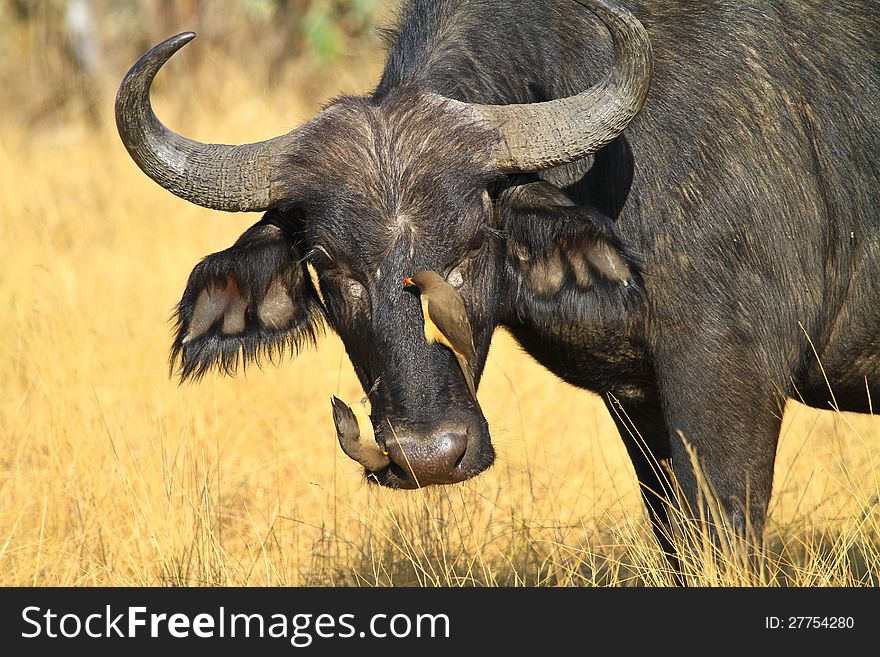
<point x="675" y="205"/>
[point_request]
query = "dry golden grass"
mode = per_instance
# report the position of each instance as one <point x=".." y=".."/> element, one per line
<point x="111" y="474"/>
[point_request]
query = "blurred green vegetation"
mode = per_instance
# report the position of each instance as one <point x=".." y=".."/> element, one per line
<point x="61" y="56"/>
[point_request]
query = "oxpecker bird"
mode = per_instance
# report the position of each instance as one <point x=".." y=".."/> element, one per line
<point x="446" y="320"/>
<point x="354" y="429"/>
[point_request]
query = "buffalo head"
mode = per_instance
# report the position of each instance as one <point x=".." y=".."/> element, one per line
<point x="370" y="191"/>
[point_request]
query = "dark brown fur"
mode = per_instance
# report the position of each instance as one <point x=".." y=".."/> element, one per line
<point x="688" y="270"/>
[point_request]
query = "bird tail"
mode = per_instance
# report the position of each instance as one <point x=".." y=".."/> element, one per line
<point x="466" y="370"/>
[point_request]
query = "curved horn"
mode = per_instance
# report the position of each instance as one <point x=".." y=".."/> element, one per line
<point x="542" y="135"/>
<point x="217" y="176"/>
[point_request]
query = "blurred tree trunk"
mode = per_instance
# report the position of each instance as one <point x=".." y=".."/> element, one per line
<point x="85" y="54"/>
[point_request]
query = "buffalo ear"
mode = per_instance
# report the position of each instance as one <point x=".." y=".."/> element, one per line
<point x="566" y="257"/>
<point x="253" y="300"/>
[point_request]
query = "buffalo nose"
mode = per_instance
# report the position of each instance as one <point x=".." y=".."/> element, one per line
<point x="432" y="459"/>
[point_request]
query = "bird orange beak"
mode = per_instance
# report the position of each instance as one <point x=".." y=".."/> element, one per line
<point x="408" y="281"/>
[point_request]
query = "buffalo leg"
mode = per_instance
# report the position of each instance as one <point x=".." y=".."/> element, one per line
<point x="643" y="429"/>
<point x="723" y="409"/>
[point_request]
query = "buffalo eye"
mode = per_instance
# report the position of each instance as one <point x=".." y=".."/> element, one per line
<point x="476" y="242"/>
<point x="321" y="258"/>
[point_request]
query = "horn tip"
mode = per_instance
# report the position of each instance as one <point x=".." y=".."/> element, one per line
<point x="172" y="44"/>
<point x="184" y="37"/>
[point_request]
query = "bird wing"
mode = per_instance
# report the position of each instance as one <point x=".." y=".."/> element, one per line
<point x="355" y="433"/>
<point x="451" y="319"/>
<point x="345" y="420"/>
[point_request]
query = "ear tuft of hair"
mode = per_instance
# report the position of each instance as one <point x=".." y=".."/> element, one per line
<point x="252" y="302"/>
<point x="566" y="261"/>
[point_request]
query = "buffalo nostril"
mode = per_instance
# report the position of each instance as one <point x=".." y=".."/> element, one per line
<point x="461" y="452"/>
<point x="401" y="472"/>
<point x="447" y="450"/>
